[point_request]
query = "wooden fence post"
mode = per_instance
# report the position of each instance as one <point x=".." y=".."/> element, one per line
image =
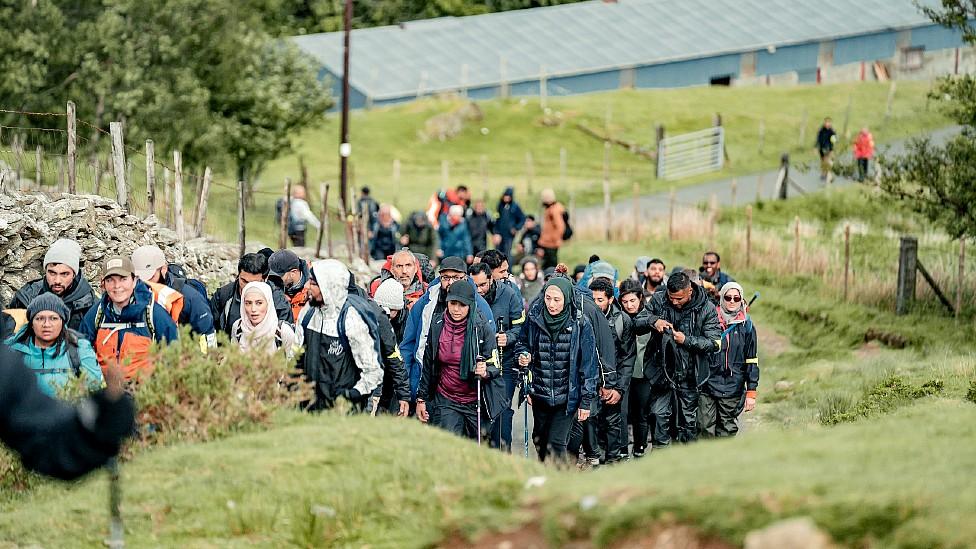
<point x="637" y="216"/>
<point x="796" y="244"/>
<point x="178" y="196"/>
<point x="748" y="236"/>
<point x="118" y="163"/>
<point x="324" y="216"/>
<point x="18" y="148"/>
<point x="285" y="209"/>
<point x="962" y="274"/>
<point x="847" y="259"/>
<point x="151" y="176"/>
<point x="759" y="187"/>
<point x="241" y="226"/>
<point x="907" y="269"/>
<point x="204" y="196"/>
<point x="396" y="189"/>
<point x="733" y="190"/>
<point x="671" y="215"/>
<point x="39" y="166"/>
<point x="606" y="189"/>
<point x="72" y="148"/>
<point x="166" y="196"/>
<point x="658" y="139"/>
<point x="97" y="165"/>
<point x="60" y="174"/>
<point x="712" y="219"/>
<point x="762" y="135"/>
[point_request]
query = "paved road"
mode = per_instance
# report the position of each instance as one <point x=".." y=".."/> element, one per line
<point x="748" y="188"/>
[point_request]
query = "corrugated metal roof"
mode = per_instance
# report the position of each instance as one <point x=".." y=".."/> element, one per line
<point x="585" y="37"/>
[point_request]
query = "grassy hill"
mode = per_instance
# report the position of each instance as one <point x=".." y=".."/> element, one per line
<point x="513" y="128"/>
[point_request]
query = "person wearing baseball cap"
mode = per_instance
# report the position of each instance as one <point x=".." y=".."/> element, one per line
<point x="182" y="300"/>
<point x="431" y="306"/>
<point x="459" y="356"/>
<point x="292" y="272"/>
<point x="126" y="321"/>
<point x="62" y="277"/>
<point x="53" y="351"/>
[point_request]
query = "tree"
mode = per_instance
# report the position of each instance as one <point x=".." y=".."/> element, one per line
<point x="938" y="181"/>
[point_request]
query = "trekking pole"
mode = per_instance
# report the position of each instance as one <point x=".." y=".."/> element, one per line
<point x="755" y="296"/>
<point x="116" y="532"/>
<point x="525" y="410"/>
<point x="479" y="410"/>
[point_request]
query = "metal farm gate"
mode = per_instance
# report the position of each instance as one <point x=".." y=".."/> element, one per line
<point x="691" y="153"/>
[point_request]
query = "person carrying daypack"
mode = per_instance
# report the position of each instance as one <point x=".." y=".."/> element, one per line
<point x="258" y="328"/>
<point x="53" y="351"/>
<point x="340" y="334"/>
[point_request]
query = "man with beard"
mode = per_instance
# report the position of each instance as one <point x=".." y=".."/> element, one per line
<point x="341" y="338"/>
<point x="712" y="277"/>
<point x="654" y="278"/>
<point x="688" y="332"/>
<point x="432" y="305"/>
<point x="506" y="306"/>
<point x="63" y="278"/>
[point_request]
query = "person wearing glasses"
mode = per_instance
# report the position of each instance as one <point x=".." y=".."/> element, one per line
<point x="687" y="334"/>
<point x="734" y="376"/>
<point x="712" y="276"/>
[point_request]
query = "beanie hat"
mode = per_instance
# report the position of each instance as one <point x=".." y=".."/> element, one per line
<point x="389" y="294"/>
<point x="462" y="292"/>
<point x="48" y="302"/>
<point x="66" y="252"/>
<point x="548" y="196"/>
<point x="602" y="269"/>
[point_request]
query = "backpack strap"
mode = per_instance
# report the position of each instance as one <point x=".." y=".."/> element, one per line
<point x="73" y="358"/>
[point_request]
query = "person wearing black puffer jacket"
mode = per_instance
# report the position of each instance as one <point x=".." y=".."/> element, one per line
<point x="687" y="333"/>
<point x="558" y="345"/>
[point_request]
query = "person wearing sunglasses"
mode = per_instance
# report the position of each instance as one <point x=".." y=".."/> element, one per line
<point x="734" y="375"/>
<point x="712" y="276"/>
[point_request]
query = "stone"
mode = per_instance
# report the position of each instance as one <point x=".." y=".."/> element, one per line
<point x="795" y="533"/>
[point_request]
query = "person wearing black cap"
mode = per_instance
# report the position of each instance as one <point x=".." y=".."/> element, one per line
<point x="460" y="353"/>
<point x="292" y="272"/>
<point x="429" y="307"/>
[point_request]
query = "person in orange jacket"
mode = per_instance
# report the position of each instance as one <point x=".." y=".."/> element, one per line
<point x="863" y="152"/>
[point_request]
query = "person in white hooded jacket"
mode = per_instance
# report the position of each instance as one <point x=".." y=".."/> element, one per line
<point x="342" y="355"/>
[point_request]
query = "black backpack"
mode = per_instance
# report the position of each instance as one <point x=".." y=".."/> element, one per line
<point x="568" y="231"/>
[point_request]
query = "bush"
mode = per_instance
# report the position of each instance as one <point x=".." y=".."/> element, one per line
<point x="891" y="393"/>
<point x="971" y="395"/>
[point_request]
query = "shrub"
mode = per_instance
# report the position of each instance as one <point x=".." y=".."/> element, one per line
<point x="971" y="395"/>
<point x="891" y="393"/>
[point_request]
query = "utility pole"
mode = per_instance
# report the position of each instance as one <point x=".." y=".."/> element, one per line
<point x="345" y="149"/>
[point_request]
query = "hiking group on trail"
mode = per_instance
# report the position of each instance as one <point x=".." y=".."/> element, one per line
<point x="609" y="366"/>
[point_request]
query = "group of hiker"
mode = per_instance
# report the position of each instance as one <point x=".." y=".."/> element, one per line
<point x="608" y="367"/>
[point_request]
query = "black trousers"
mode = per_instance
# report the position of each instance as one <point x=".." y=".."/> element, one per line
<point x="583" y="434"/>
<point x="297" y="239"/>
<point x="457" y="418"/>
<point x="550" y="257"/>
<point x="550" y="433"/>
<point x="639" y="411"/>
<point x="718" y="416"/>
<point x="682" y="403"/>
<point x="501" y="428"/>
<point x="862" y="169"/>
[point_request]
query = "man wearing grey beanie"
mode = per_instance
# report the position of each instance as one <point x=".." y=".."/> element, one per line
<point x="63" y="278"/>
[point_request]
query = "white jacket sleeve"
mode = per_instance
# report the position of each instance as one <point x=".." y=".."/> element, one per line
<point x="363" y="352"/>
<point x="302" y="211"/>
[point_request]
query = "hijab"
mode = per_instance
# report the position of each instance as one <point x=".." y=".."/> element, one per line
<point x="556" y="323"/>
<point x="731" y="313"/>
<point x="262" y="335"/>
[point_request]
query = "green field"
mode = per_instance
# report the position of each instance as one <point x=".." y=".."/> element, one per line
<point x="875" y="442"/>
<point x="516" y="127"/>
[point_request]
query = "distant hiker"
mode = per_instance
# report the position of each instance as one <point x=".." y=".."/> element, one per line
<point x="258" y="328"/>
<point x="53" y="351"/>
<point x="63" y="278"/>
<point x="187" y="306"/>
<point x="394" y="393"/>
<point x="528" y="241"/>
<point x="731" y="387"/>
<point x="429" y="308"/>
<point x="509" y="311"/>
<point x="712" y="276"/>
<point x="126" y="321"/>
<point x="225" y="304"/>
<point x="863" y="152"/>
<point x="557" y="344"/>
<point x="638" y="398"/>
<point x="510" y="221"/>
<point x="292" y="272"/>
<point x="299" y="216"/>
<point x="367" y="207"/>
<point x="419" y="235"/>
<point x="340" y="334"/>
<point x="553" y="229"/>
<point x="530" y="280"/>
<point x="54" y="438"/>
<point x="384" y="234"/>
<point x="655" y="278"/>
<point x="440" y="203"/>
<point x="460" y="353"/>
<point x="688" y="333"/>
<point x="480" y="225"/>
<point x="455" y="239"/>
<point x="826" y="138"/>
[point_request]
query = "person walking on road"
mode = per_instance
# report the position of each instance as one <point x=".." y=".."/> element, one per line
<point x="826" y="139"/>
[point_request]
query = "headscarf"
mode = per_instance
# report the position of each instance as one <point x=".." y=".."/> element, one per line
<point x="262" y="335"/>
<point x="733" y="313"/>
<point x="555" y="324"/>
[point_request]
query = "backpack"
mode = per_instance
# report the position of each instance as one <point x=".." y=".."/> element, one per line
<point x="180" y="279"/>
<point x="294" y="224"/>
<point x="365" y="312"/>
<point x="568" y="231"/>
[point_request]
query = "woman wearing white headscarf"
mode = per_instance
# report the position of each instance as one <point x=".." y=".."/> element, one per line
<point x="731" y="387"/>
<point x="258" y="328"/>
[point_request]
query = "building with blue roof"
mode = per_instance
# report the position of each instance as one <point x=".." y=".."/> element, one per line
<point x="601" y="45"/>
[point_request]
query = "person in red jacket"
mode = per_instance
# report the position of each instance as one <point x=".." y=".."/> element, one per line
<point x="863" y="152"/>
